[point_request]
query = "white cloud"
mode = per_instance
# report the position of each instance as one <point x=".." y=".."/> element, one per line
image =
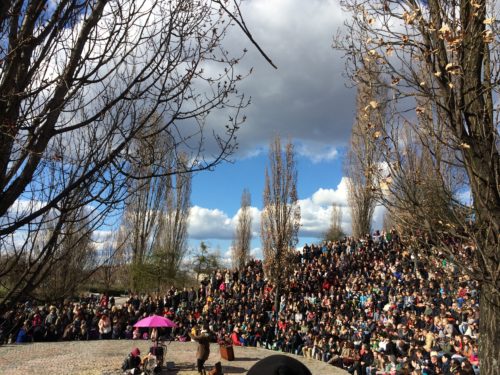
<point x="317" y="152"/>
<point x="316" y="213"/>
<point x="256" y="252"/>
<point x="325" y="197"/>
<point x="209" y="223"/>
<point x="465" y="197"/>
<point x="104" y="240"/>
<point x="378" y="217"/>
<point x="205" y="223"/>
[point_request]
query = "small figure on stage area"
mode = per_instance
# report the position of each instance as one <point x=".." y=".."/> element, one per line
<point x="203" y="351"/>
<point x="132" y="363"/>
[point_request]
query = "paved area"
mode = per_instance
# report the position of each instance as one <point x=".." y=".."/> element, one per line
<point x="106" y="357"/>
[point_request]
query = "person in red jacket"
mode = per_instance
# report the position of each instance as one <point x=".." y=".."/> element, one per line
<point x="235" y="337"/>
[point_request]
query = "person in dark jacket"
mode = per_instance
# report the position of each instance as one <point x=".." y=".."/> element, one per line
<point x="433" y="367"/>
<point x="203" y="350"/>
<point x="365" y="360"/>
<point x="132" y="362"/>
<point x="267" y="337"/>
<point x="390" y="348"/>
<point x="446" y="364"/>
<point x="295" y="343"/>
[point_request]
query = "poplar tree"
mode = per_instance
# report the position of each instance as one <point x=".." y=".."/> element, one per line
<point x="280" y="218"/>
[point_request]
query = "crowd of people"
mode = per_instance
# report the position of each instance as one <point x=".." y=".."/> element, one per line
<point x="370" y="306"/>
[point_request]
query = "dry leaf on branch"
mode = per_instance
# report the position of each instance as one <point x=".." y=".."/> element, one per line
<point x="475" y="5"/>
<point x="465" y="146"/>
<point x="408" y="18"/>
<point x="488" y="36"/>
<point x="445" y="29"/>
<point x="453" y="69"/>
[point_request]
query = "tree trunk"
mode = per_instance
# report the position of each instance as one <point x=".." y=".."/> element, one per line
<point x="489" y="323"/>
<point x="277" y="297"/>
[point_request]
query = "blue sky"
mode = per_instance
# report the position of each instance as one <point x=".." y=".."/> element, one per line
<point x="218" y="193"/>
<point x="306" y="100"/>
<point x="222" y="188"/>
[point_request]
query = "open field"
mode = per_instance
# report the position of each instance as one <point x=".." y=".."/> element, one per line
<point x="105" y="357"/>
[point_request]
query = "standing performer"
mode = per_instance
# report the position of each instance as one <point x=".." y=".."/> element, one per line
<point x="203" y="351"/>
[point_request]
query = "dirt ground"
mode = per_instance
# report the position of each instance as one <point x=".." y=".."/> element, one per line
<point x="106" y="357"/>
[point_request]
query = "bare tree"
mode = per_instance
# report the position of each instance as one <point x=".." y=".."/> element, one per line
<point x="171" y="243"/>
<point x="280" y="218"/>
<point x="79" y="80"/>
<point x="335" y="232"/>
<point x="205" y="262"/>
<point x="113" y="263"/>
<point x="243" y="233"/>
<point x="146" y="204"/>
<point x="73" y="262"/>
<point x="420" y="188"/>
<point x="440" y="60"/>
<point x="43" y="247"/>
<point x="362" y="158"/>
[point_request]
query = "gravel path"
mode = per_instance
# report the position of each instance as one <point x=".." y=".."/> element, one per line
<point x="106" y="357"/>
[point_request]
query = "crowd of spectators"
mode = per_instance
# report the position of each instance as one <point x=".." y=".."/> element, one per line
<point x="370" y="306"/>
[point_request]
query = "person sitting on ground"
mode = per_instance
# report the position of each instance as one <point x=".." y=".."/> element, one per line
<point x="132" y="363"/>
<point x="366" y="359"/>
<point x="236" y="338"/>
<point x="23" y="334"/>
<point x="348" y="355"/>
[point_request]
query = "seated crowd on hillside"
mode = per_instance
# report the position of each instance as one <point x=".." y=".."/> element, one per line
<point x="369" y="306"/>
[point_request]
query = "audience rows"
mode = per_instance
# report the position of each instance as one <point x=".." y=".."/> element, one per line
<point x="370" y="306"/>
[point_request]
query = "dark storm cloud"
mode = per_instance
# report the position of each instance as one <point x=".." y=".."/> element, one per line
<point x="305" y="98"/>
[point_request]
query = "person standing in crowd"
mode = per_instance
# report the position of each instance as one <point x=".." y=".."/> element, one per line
<point x="104" y="301"/>
<point x="105" y="326"/>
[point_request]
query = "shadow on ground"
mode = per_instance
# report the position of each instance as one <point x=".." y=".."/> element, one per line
<point x="178" y="368"/>
<point x="247" y="359"/>
<point x="105" y="357"/>
<point x="233" y="370"/>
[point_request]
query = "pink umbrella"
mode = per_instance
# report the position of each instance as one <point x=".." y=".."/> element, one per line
<point x="155" y="321"/>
